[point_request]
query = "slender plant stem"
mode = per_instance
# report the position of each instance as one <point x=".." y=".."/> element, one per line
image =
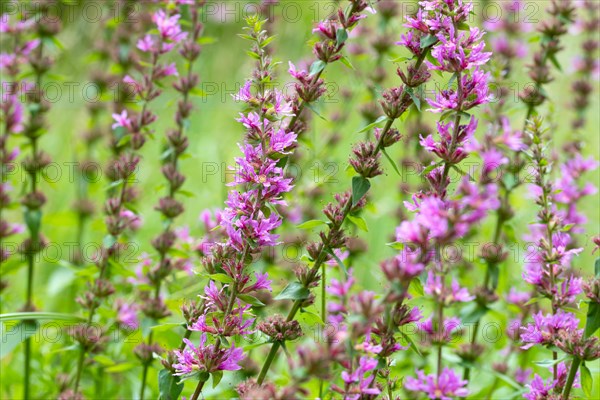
<point x="198" y="390"/>
<point x="492" y="389"/>
<point x="144" y="376"/>
<point x="571" y="378"/>
<point x="33" y="240"/>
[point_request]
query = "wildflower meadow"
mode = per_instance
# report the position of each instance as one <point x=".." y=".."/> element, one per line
<point x="300" y="199"/>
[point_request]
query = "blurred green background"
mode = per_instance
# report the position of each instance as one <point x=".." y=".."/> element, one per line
<point x="223" y="67"/>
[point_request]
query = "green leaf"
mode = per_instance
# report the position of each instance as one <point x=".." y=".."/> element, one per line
<point x="206" y="40"/>
<point x="597" y="268"/>
<point x="25" y="316"/>
<point x="104" y="360"/>
<point x="587" y="382"/>
<point x="347" y="62"/>
<point x="394" y="165"/>
<point x="124" y="141"/>
<point x="126" y="366"/>
<point x="412" y="344"/>
<point x="197" y="92"/>
<point x="473" y="313"/>
<point x="359" y="222"/>
<point x="33" y="219"/>
<point x="216" y="378"/>
<point x="186" y="193"/>
<point x="221" y="278"/>
<point x="341" y="36"/>
<point x="428" y="40"/>
<point x="396" y="245"/>
<point x="314" y="110"/>
<point x="17" y="334"/>
<point x="373" y="124"/>
<point x="313" y="223"/>
<point x="593" y="319"/>
<point x="293" y="291"/>
<point x="534" y="300"/>
<point x="254" y="346"/>
<point x="554" y="61"/>
<point x="417" y="286"/>
<point x="549" y="363"/>
<point x="251" y="300"/>
<point x="253" y="54"/>
<point x="431" y="167"/>
<point x="317" y="67"/>
<point x="494" y="275"/>
<point x="109" y="241"/>
<point x="414" y="98"/>
<point x="309" y="318"/>
<point x="337" y="259"/>
<point x="169" y="386"/>
<point x="463" y="26"/>
<point x="114" y="184"/>
<point x="360" y="187"/>
<point x="506" y="379"/>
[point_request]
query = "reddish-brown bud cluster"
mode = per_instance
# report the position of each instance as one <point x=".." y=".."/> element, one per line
<point x="366" y="160"/>
<point x="278" y="329"/>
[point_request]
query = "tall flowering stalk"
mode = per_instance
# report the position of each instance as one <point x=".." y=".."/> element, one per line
<point x="441" y="218"/>
<point x="117" y="58"/>
<point x="170" y="208"/>
<point x="551" y="31"/>
<point x="134" y="129"/>
<point x="12" y="118"/>
<point x="550" y="274"/>
<point x="34" y="199"/>
<point x="249" y="221"/>
<point x="365" y="161"/>
<point x="587" y="66"/>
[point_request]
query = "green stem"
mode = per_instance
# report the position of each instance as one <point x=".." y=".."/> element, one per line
<point x="79" y="369"/>
<point x="571" y="377"/>
<point x="144" y="376"/>
<point x="187" y="335"/>
<point x="198" y="390"/>
<point x="492" y="389"/>
<point x="27" y="371"/>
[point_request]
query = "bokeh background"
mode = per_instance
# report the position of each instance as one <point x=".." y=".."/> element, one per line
<point x="223" y="67"/>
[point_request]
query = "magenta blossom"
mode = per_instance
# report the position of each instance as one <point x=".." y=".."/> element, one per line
<point x="544" y="329"/>
<point x="206" y="358"/>
<point x="127" y="315"/>
<point x="445" y="387"/>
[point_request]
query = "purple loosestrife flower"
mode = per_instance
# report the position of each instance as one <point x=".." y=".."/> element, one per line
<point x="570" y="190"/>
<point x="443" y="148"/>
<point x="446" y="386"/>
<point x="522" y="375"/>
<point x="544" y="329"/>
<point x="540" y="390"/>
<point x="358" y="383"/>
<point x="206" y="358"/>
<point x="233" y="324"/>
<point x="453" y="294"/>
<point x="474" y="92"/>
<point x="457" y="52"/>
<point x="127" y="314"/>
<point x="441" y="334"/>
